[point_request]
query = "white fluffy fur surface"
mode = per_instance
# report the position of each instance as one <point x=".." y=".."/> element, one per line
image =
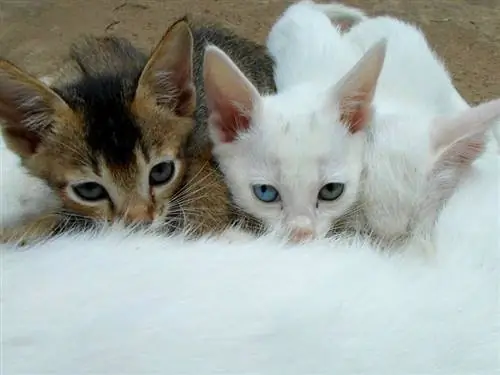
<point x="121" y="303"/>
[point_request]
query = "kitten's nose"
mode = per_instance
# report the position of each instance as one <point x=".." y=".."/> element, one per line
<point x="139" y="214"/>
<point x="302" y="229"/>
<point x="301" y="235"/>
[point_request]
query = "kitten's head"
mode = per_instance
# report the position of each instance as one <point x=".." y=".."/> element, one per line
<point x="415" y="161"/>
<point x="293" y="160"/>
<point x="109" y="144"/>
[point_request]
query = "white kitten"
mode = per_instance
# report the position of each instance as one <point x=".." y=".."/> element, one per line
<point x="296" y="179"/>
<point x="302" y="150"/>
<point x="410" y="171"/>
<point x="424" y="137"/>
<point x="417" y="74"/>
<point x="279" y="169"/>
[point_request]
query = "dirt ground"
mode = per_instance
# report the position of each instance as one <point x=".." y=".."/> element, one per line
<point x="35" y="33"/>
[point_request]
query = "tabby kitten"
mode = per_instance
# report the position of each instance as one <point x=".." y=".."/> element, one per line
<point x="120" y="136"/>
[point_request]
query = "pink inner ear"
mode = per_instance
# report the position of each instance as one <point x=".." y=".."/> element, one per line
<point x="471" y="152"/>
<point x="464" y="152"/>
<point x="354" y="113"/>
<point x="227" y="116"/>
<point x="229" y="120"/>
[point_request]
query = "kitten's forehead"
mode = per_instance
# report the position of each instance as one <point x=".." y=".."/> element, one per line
<point x="299" y="132"/>
<point x="110" y="129"/>
<point x="298" y="146"/>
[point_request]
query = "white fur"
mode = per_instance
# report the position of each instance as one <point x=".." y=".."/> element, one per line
<point x="21" y="195"/>
<point x="130" y="304"/>
<point x="267" y="157"/>
<point x="413" y="71"/>
<point x="297" y="143"/>
<point x="305" y="47"/>
<point x="415" y="96"/>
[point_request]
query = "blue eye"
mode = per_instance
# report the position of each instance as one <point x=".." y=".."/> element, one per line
<point x="265" y="193"/>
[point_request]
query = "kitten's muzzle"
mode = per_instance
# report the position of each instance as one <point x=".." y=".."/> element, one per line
<point x="301" y="235"/>
<point x="139" y="214"/>
<point x="302" y="229"/>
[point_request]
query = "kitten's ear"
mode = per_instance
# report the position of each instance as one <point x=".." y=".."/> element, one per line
<point x="355" y="91"/>
<point x="230" y="96"/>
<point x="168" y="74"/>
<point x="27" y="109"/>
<point x="458" y="141"/>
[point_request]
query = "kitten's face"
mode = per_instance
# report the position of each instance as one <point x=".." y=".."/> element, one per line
<point x="297" y="171"/>
<point x="132" y="176"/>
<point x="109" y="143"/>
<point x="294" y="159"/>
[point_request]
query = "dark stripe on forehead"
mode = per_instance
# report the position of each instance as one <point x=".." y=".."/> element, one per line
<point x="111" y="130"/>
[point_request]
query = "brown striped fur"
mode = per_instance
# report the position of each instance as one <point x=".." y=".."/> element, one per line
<point x="110" y="115"/>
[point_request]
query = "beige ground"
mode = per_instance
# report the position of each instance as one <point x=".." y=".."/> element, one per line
<point x="33" y="33"/>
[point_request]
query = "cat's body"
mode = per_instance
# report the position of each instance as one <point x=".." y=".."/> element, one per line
<point x="110" y="114"/>
<point x="322" y="64"/>
<point x="136" y="303"/>
<point x="321" y="134"/>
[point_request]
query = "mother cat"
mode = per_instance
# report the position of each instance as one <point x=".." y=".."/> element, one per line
<point x="120" y="136"/>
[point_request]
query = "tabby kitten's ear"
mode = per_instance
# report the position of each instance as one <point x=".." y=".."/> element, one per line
<point x="27" y="109"/>
<point x="168" y="74"/>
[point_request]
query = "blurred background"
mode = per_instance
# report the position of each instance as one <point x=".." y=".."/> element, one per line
<point x="36" y="33"/>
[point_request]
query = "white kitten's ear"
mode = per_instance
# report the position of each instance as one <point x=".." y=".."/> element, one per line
<point x="230" y="96"/>
<point x="458" y="141"/>
<point x="355" y="91"/>
<point x="168" y="74"/>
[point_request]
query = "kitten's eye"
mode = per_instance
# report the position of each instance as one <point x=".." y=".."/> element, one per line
<point x="265" y="193"/>
<point x="90" y="191"/>
<point x="331" y="191"/>
<point x="161" y="173"/>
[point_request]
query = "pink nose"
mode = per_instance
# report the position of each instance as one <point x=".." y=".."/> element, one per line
<point x="301" y="235"/>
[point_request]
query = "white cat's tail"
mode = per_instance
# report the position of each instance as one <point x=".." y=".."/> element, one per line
<point x="342" y="15"/>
